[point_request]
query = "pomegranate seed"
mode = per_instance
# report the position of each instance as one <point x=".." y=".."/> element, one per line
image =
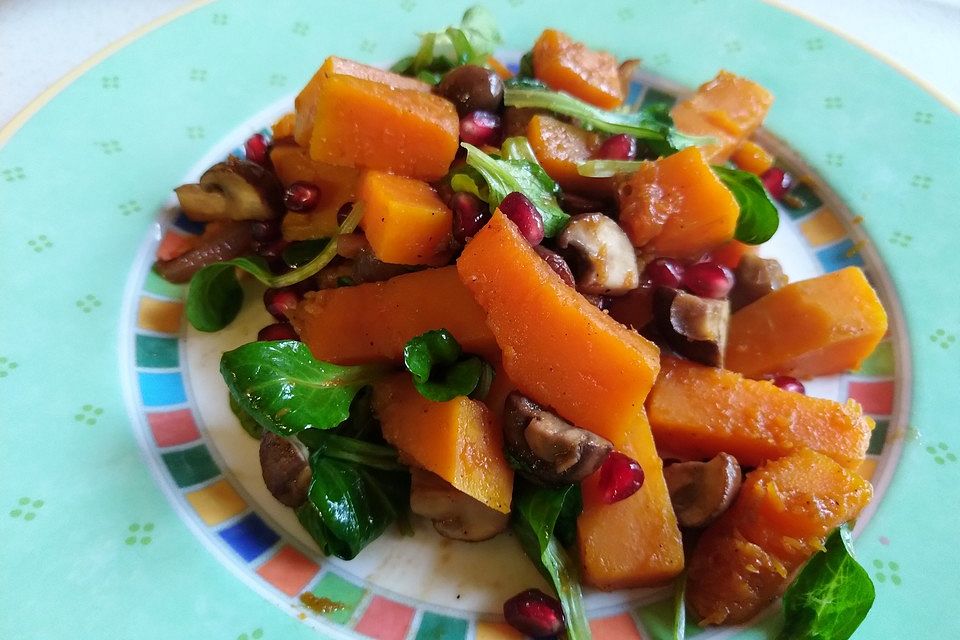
<point x="343" y="212"/>
<point x="277" y="331"/>
<point x="280" y="302"/>
<point x="620" y="477"/>
<point x="708" y="279"/>
<point x="789" y="383"/>
<point x="265" y="230"/>
<point x="534" y="613"/>
<point x="480" y="128"/>
<point x="665" y="272"/>
<point x="256" y="148"/>
<point x="301" y="196"/>
<point x="273" y="249"/>
<point x="558" y="264"/>
<point x="777" y="182"/>
<point x="618" y="147"/>
<point x="524" y="214"/>
<point x="470" y="213"/>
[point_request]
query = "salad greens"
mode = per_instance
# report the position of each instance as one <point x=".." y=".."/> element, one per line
<point x="439" y="371"/>
<point x="215" y="296"/>
<point x="651" y="123"/>
<point x="831" y="596"/>
<point x="504" y="176"/>
<point x="247" y="423"/>
<point x="680" y="608"/>
<point x="286" y="390"/>
<point x="470" y="43"/>
<point x="758" y="219"/>
<point x="541" y="519"/>
<point x="353" y="496"/>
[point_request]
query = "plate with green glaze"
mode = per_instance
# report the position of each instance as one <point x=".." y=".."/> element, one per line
<point x="130" y="500"/>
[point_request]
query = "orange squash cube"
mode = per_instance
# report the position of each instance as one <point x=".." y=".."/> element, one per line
<point x="458" y="440"/>
<point x="283" y="127"/>
<point x="404" y="220"/>
<point x="814" y="327"/>
<point x="677" y="206"/>
<point x="564" y="64"/>
<point x="560" y="147"/>
<point x="750" y="156"/>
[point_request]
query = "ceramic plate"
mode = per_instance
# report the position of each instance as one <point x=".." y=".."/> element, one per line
<point x="130" y="501"/>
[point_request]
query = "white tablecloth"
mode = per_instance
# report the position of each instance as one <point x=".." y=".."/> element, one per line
<point x="42" y="40"/>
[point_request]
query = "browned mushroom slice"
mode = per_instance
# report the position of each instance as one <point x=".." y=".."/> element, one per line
<point x="553" y="451"/>
<point x="455" y="514"/>
<point x="606" y="262"/>
<point x="232" y="241"/>
<point x="701" y="491"/>
<point x="694" y="327"/>
<point x="285" y="465"/>
<point x="232" y="190"/>
<point x="755" y="278"/>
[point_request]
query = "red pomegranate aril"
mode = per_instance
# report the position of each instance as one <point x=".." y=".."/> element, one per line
<point x="480" y="128"/>
<point x="777" y="182"/>
<point x="256" y="148"/>
<point x="277" y="331"/>
<point x="617" y="147"/>
<point x="708" y="280"/>
<point x="470" y="213"/>
<point x="789" y="383"/>
<point x="558" y="264"/>
<point x="343" y="212"/>
<point x="301" y="196"/>
<point x="280" y="302"/>
<point x="620" y="477"/>
<point x="524" y="214"/>
<point x="265" y="230"/>
<point x="534" y="613"/>
<point x="665" y="272"/>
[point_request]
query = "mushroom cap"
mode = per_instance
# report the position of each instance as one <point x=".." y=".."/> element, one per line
<point x="606" y="260"/>
<point x="455" y="514"/>
<point x="232" y="190"/>
<point x="701" y="491"/>
<point x="694" y="327"/>
<point x="235" y="239"/>
<point x="755" y="278"/>
<point x="285" y="466"/>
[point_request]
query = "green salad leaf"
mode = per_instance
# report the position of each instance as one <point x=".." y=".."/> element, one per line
<point x="504" y="176"/>
<point x="439" y="51"/>
<point x="607" y="168"/>
<point x="830" y="597"/>
<point x="247" y="422"/>
<point x="347" y="449"/>
<point x="759" y="218"/>
<point x="541" y="518"/>
<point x="300" y="253"/>
<point x="352" y="499"/>
<point x="680" y="608"/>
<point x="286" y="390"/>
<point x="439" y="371"/>
<point x="651" y="123"/>
<point x="215" y="296"/>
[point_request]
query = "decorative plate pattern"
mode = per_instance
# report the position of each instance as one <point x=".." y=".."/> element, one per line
<point x="81" y="183"/>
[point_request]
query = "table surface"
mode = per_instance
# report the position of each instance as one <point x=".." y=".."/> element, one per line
<point x="921" y="37"/>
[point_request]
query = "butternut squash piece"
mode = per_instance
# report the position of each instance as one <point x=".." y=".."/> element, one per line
<point x="458" y="440"/>
<point x="405" y="221"/>
<point x="369" y="125"/>
<point x="372" y="322"/>
<point x="815" y="327"/>
<point x="783" y="514"/>
<point x="677" y="206"/>
<point x="282" y="129"/>
<point x="631" y="543"/>
<point x="750" y="156"/>
<point x="305" y="102"/>
<point x="564" y="353"/>
<point x="730" y="253"/>
<point x="558" y="348"/>
<point x="697" y="412"/>
<point x="564" y="64"/>
<point x="560" y="147"/>
<point x="728" y="108"/>
<point x="338" y="185"/>
<point x="499" y="68"/>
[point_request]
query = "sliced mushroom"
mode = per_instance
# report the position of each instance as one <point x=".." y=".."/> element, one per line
<point x="232" y="190"/>
<point x="694" y="327"/>
<point x="554" y="451"/>
<point x="284" y="463"/>
<point x="455" y="514"/>
<point x="755" y="278"/>
<point x="368" y="268"/>
<point x="701" y="491"/>
<point x="233" y="240"/>
<point x="625" y="72"/>
<point x="606" y="261"/>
